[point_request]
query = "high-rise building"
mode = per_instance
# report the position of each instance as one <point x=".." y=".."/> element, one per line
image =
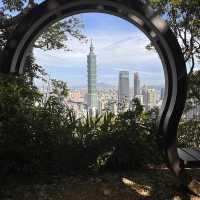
<point x="92" y="101"/>
<point x="123" y="90"/>
<point x="151" y="97"/>
<point x="144" y="95"/>
<point x="136" y="84"/>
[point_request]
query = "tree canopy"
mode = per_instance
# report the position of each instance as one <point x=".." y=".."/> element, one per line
<point x="183" y="17"/>
<point x="55" y="37"/>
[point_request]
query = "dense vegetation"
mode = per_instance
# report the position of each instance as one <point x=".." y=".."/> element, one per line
<point x="40" y="135"/>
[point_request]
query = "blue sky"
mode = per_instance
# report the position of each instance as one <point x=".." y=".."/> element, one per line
<point x="119" y="45"/>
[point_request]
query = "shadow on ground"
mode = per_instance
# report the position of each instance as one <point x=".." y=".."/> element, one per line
<point x="139" y="185"/>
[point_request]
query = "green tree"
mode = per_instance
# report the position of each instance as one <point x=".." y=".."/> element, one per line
<point x="188" y="134"/>
<point x="193" y="89"/>
<point x="54" y="37"/>
<point x="183" y="17"/>
<point x="59" y="89"/>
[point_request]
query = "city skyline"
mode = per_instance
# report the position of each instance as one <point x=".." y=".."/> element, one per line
<point x="113" y="99"/>
<point x="94" y="101"/>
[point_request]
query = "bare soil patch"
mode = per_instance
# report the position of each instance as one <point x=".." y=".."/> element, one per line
<point x="137" y="185"/>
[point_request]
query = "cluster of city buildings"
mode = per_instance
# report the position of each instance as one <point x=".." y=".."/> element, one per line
<point x="95" y="100"/>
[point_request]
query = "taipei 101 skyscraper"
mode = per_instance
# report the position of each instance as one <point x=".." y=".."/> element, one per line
<point x="91" y="69"/>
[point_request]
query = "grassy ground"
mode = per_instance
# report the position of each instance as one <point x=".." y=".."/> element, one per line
<point x="138" y="185"/>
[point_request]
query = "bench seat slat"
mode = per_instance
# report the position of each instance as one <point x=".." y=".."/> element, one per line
<point x="190" y="156"/>
<point x="194" y="152"/>
<point x="185" y="156"/>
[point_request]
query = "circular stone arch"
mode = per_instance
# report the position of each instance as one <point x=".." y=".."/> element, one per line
<point x="136" y="12"/>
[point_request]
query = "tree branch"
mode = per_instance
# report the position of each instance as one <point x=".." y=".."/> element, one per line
<point x="192" y="67"/>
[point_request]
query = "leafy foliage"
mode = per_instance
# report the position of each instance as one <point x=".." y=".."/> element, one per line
<point x="59" y="88"/>
<point x="38" y="136"/>
<point x="55" y="37"/>
<point x="13" y="5"/>
<point x="184" y="19"/>
<point x="188" y="134"/>
<point x="193" y="86"/>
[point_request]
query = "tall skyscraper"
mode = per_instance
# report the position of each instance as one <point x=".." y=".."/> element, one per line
<point x="92" y="91"/>
<point x="136" y="84"/>
<point x="123" y="90"/>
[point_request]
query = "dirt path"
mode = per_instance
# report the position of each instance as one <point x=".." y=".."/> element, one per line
<point x="148" y="185"/>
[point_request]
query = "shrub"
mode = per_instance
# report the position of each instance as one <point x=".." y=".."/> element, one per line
<point x="38" y="136"/>
<point x="188" y="134"/>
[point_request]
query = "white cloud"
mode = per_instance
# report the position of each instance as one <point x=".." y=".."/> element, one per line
<point x="120" y="50"/>
<point x="117" y="50"/>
